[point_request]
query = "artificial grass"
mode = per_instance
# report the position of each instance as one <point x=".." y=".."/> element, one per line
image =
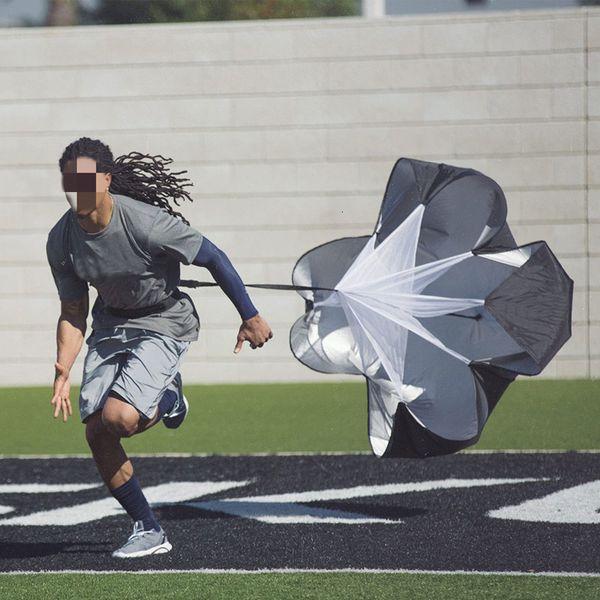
<point x="328" y="417"/>
<point x="291" y="586"/>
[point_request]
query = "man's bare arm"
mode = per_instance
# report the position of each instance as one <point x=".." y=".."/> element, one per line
<point x="70" y="332"/>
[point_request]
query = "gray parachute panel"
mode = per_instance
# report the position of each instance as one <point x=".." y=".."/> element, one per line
<point x="439" y="309"/>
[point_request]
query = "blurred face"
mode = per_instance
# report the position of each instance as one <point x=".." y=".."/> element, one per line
<point x="84" y="187"/>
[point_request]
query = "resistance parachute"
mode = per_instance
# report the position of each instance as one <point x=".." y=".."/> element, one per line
<point x="439" y="309"/>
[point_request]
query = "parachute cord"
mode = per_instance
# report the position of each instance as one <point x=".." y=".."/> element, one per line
<point x="191" y="283"/>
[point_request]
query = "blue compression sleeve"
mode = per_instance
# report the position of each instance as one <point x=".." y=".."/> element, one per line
<point x="220" y="267"/>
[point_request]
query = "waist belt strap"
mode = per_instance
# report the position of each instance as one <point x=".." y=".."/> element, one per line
<point x="134" y="313"/>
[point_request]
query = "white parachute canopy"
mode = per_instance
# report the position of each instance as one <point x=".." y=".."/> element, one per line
<point x="380" y="295"/>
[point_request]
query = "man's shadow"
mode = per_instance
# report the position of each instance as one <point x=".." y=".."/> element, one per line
<point x="16" y="550"/>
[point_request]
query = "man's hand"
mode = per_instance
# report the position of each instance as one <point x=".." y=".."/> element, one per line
<point x="256" y="331"/>
<point x="62" y="386"/>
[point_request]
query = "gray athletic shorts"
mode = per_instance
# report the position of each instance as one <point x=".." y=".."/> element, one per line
<point x="138" y="364"/>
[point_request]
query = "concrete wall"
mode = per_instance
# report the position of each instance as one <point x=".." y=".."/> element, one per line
<point x="289" y="130"/>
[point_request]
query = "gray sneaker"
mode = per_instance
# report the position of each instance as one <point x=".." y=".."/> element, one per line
<point x="179" y="412"/>
<point x="143" y="543"/>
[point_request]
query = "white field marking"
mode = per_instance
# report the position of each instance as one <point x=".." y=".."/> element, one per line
<point x="40" y="488"/>
<point x="386" y="489"/>
<point x="45" y="488"/>
<point x="259" y="454"/>
<point x="288" y="508"/>
<point x="288" y="570"/>
<point x="578" y="504"/>
<point x="286" y="513"/>
<point x="176" y="491"/>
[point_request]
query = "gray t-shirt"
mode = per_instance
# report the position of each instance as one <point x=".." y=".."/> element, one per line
<point x="133" y="263"/>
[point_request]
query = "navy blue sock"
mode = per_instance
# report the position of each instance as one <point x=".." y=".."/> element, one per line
<point x="166" y="403"/>
<point x="132" y="499"/>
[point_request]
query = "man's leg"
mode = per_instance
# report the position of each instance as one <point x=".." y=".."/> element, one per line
<point x="126" y="393"/>
<point x="110" y="458"/>
<point x="104" y="432"/>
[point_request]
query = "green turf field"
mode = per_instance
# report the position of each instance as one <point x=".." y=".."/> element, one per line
<point x="291" y="586"/>
<point x="533" y="414"/>
<point x="536" y="414"/>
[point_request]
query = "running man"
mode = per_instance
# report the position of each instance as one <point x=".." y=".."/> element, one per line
<point x="122" y="237"/>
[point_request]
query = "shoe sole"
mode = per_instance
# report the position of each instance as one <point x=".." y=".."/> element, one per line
<point x="187" y="408"/>
<point x="160" y="549"/>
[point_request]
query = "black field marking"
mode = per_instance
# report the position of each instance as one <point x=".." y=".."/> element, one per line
<point x="446" y="526"/>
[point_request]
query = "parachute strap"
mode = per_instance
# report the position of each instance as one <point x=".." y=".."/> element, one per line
<point x="191" y="283"/>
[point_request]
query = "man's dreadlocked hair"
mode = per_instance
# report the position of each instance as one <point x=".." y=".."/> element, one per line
<point x="148" y="182"/>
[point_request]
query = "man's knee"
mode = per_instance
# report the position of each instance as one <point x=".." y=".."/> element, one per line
<point x="120" y="418"/>
<point x="96" y="432"/>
